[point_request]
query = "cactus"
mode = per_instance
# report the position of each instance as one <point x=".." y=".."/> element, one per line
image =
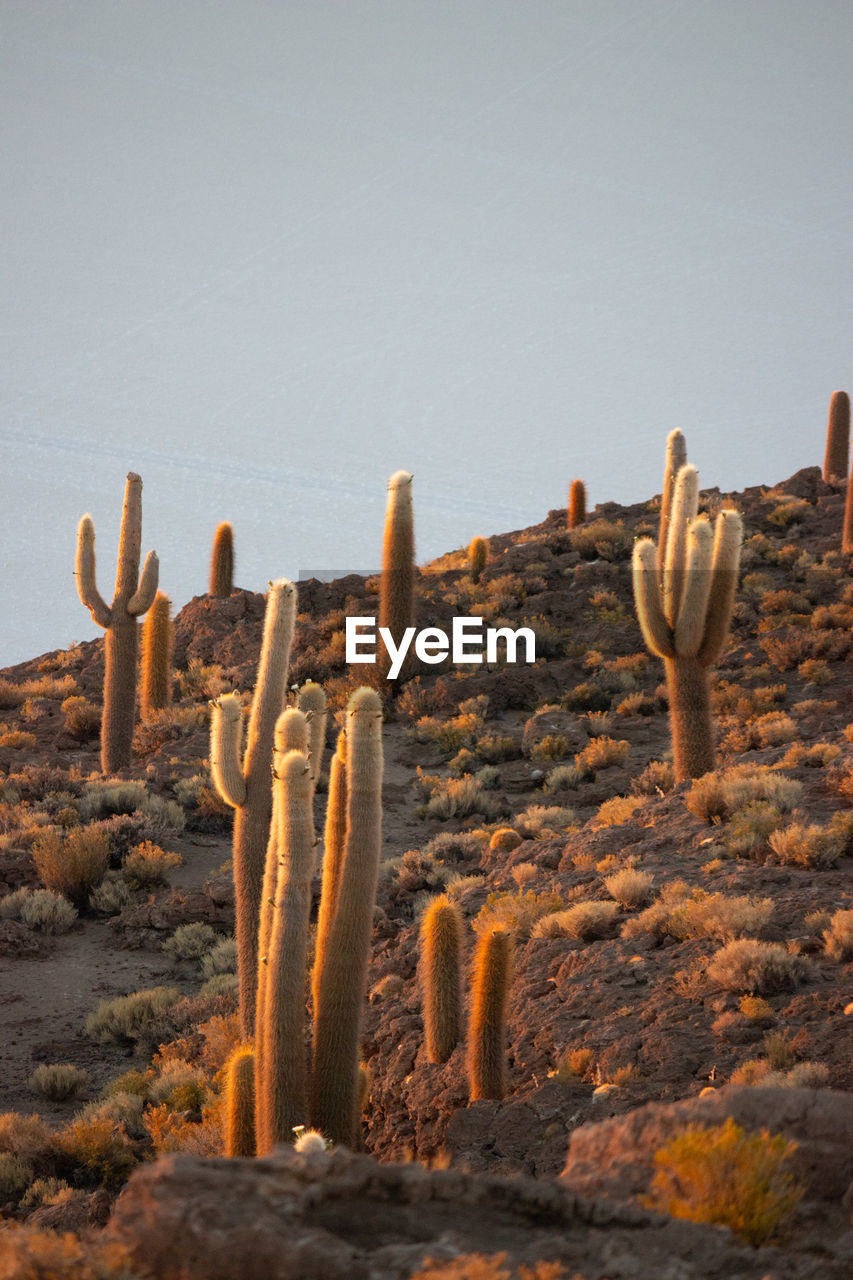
<point x="397" y="583"/>
<point x="155" y="691"/>
<point x="333" y="856"/>
<point x="441" y="947"/>
<point x="312" y="703"/>
<point x="134" y="594"/>
<point x="245" y="785"/>
<point x="343" y="963"/>
<point x="685" y="612"/>
<point x="676" y="457"/>
<point x="239" y="1108"/>
<point x="577" y="504"/>
<point x="487" y="1024"/>
<point x="847" y="529"/>
<point x="222" y="561"/>
<point x="836" y="458"/>
<point x="283" y="1096"/>
<point x="478" y="554"/>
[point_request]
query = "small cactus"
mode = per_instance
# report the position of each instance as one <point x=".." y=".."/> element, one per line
<point x="155" y="691"/>
<point x="222" y="561"/>
<point x="333" y="856"/>
<point x="478" y="554"/>
<point x="487" y="1024"/>
<point x="441" y="948"/>
<point x="836" y="458"/>
<point x="577" y="504"/>
<point x="397" y="582"/>
<point x="239" y="1108"/>
<point x="134" y="595"/>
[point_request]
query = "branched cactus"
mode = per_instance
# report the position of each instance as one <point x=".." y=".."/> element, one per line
<point x="245" y="784"/>
<point x="239" y="1104"/>
<point x="441" y="958"/>
<point x="134" y="595"/>
<point x="577" y="504"/>
<point x="222" y="561"/>
<point x="155" y="691"/>
<point x="685" y="609"/>
<point x="397" y="583"/>
<point x="478" y="554"/>
<point x="343" y="965"/>
<point x="283" y="1095"/>
<point x="333" y="858"/>
<point x="487" y="1023"/>
<point x="836" y="458"/>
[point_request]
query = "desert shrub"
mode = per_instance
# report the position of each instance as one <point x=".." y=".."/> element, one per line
<point x="99" y="1146"/>
<point x="169" y="724"/>
<point x="815" y="755"/>
<point x="584" y="920"/>
<point x="575" y="1064"/>
<point x="10" y="905"/>
<point x="112" y="895"/>
<point x="657" y="778"/>
<point x="179" y="1085"/>
<point x="750" y="966"/>
<point x="27" y="1137"/>
<point x="601" y="753"/>
<point x="464" y="761"/>
<point x="539" y="821"/>
<point x="601" y="539"/>
<point x="586" y="696"/>
<point x="30" y="1254"/>
<point x="221" y="984"/>
<point x="82" y="718"/>
<point x="564" y="778"/>
<point x="748" y="831"/>
<point x="722" y="793"/>
<point x="44" y="1191"/>
<point x="448" y="735"/>
<point x="14" y="695"/>
<point x="459" y="798"/>
<point x="142" y="1015"/>
<point x="552" y="747"/>
<point x="808" y="844"/>
<point x="418" y="870"/>
<point x="146" y="864"/>
<point x="220" y="958"/>
<point x="616" y="810"/>
<point x="815" y="671"/>
<point x="190" y="941"/>
<point x="598" y="723"/>
<point x="496" y="747"/>
<point x="488" y="777"/>
<point x="517" y="912"/>
<point x="15" y="1176"/>
<point x="47" y="912"/>
<point x="202" y="680"/>
<point x="71" y="863"/>
<point x="756" y="1009"/>
<point x="838" y="936"/>
<point x="456" y="846"/>
<point x="636" y="704"/>
<point x="482" y="1266"/>
<point x="681" y="913"/>
<point x="17" y="739"/>
<point x="59" y="1081"/>
<point x="726" y="1176"/>
<point x="524" y="872"/>
<point x="172" y="1131"/>
<point x="104" y="798"/>
<point x="630" y="887"/>
<point x="773" y="728"/>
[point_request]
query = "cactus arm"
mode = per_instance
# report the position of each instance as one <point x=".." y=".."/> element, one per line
<point x="685" y="504"/>
<point x="84" y="571"/>
<point x="143" y="598"/>
<point x="728" y="538"/>
<point x="226" y="725"/>
<point x="271" y="683"/>
<point x="657" y="632"/>
<point x="676" y="457"/>
<point x="130" y="539"/>
<point x="690" y="626"/>
<point x="333" y="854"/>
<point x="312" y="701"/>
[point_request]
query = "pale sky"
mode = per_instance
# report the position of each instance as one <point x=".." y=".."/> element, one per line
<point x="266" y="254"/>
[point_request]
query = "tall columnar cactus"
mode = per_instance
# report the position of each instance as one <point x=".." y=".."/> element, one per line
<point x="291" y="734"/>
<point x="836" y="458"/>
<point x="478" y="554"/>
<point x="155" y="692"/>
<point x="441" y="958"/>
<point x="397" y="583"/>
<point x="222" y="561"/>
<point x="133" y="596"/>
<point x="341" y="991"/>
<point x="487" y="1023"/>
<point x="577" y="504"/>
<point x="245" y="784"/>
<point x="239" y="1108"/>
<point x="685" y="611"/>
<point x="312" y="703"/>
<point x="847" y="530"/>
<point x="334" y="842"/>
<point x="283" y="1096"/>
<point x="676" y="457"/>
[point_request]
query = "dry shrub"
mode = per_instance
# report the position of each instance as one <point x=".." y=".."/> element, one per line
<point x="773" y="728"/>
<point x="601" y="753"/>
<point x="575" y="1064"/>
<point x="601" y="539"/>
<point x="541" y="822"/>
<point x="720" y="794"/>
<point x="750" y="966"/>
<point x="173" y="1131"/>
<point x="748" y="831"/>
<point x="808" y="845"/>
<point x="481" y="1266"/>
<point x="726" y="1176"/>
<point x="82" y="717"/>
<point x="29" y="1254"/>
<point x="584" y="920"/>
<point x="504" y="840"/>
<point x="564" y="778"/>
<point x="17" y="739"/>
<point x="59" y="1081"/>
<point x="657" y="778"/>
<point x="142" y="1015"/>
<point x="27" y="1137"/>
<point x="168" y="724"/>
<point x="14" y="695"/>
<point x="517" y="912"/>
<point x="838" y="936"/>
<point x="814" y="756"/>
<point x="459" y="798"/>
<point x="630" y="887"/>
<point x="619" y="809"/>
<point x="71" y="863"/>
<point x="99" y="1146"/>
<point x="146" y="865"/>
<point x="757" y="1010"/>
<point x="15" y="1176"/>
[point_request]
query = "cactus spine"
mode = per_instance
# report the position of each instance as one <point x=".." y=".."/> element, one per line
<point x="333" y="857"/>
<point x="245" y="784"/>
<point x="685" y="611"/>
<point x="222" y="561"/>
<point x="478" y="554"/>
<point x="343" y="965"/>
<point x="283" y="1096"/>
<point x="156" y="685"/>
<point x="441" y="948"/>
<point x="836" y="458"/>
<point x="487" y="1025"/>
<point x="239" y="1135"/>
<point x="577" y="504"/>
<point x="397" y="583"/>
<point x="134" y="594"/>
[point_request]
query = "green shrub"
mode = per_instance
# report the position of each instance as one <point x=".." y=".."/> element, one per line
<point x="59" y="1081"/>
<point x="47" y="912"/>
<point x="584" y="920"/>
<point x="142" y="1015"/>
<point x="15" y="1176"/>
<point x="190" y="941"/>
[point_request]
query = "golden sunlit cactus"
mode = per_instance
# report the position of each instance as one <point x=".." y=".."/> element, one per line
<point x="222" y="561"/>
<point x="134" y="595"/>
<point x="343" y="961"/>
<point x="685" y="612"/>
<point x="478" y="554"/>
<point x="577" y="504"/>
<point x="312" y="703"/>
<point x="245" y="784"/>
<point x="441" y="959"/>
<point x="239" y="1104"/>
<point x="397" y="582"/>
<point x="836" y="458"/>
<point x="282" y="1101"/>
<point x="487" y="1022"/>
<point x="155" y="690"/>
<point x="847" y="529"/>
<point x="333" y="857"/>
<point x="676" y="457"/>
